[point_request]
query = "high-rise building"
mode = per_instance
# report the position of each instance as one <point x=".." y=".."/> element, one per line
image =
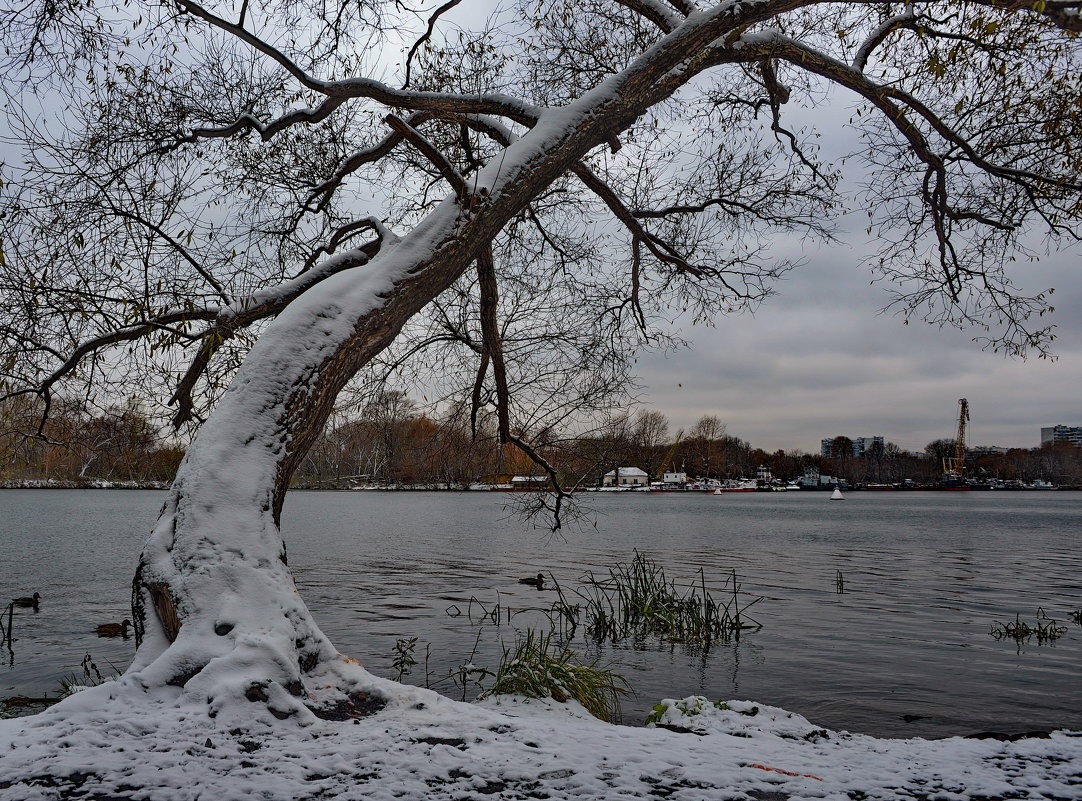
<point x="1055" y="435"/>
<point x="861" y="445"/>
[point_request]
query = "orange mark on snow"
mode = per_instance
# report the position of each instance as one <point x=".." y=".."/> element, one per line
<point x="784" y="772"/>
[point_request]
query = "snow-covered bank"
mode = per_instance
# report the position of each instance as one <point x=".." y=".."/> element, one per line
<point x="82" y="483"/>
<point x="115" y="742"/>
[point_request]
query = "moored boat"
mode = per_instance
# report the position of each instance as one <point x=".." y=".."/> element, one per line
<point x="737" y="485"/>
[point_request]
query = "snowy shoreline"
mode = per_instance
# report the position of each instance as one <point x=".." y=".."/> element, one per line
<point x="118" y="743"/>
<point x="97" y="483"/>
<point x="106" y="484"/>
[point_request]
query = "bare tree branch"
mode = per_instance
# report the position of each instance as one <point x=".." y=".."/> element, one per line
<point x="438" y="160"/>
<point x="342" y="90"/>
<point x="663" y="252"/>
<point x="426" y="36"/>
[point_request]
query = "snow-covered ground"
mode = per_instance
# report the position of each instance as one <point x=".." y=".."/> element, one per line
<point x="115" y="742"/>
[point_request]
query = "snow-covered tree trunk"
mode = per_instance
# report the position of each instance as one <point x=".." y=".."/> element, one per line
<point x="217" y="610"/>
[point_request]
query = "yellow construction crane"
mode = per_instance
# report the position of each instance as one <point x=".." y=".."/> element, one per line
<point x="668" y="456"/>
<point x="956" y="466"/>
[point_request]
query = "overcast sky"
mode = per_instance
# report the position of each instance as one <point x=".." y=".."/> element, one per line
<point x="820" y="360"/>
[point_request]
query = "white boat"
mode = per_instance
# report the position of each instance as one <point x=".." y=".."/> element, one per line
<point x="837" y="495"/>
<point x="737" y="485"/>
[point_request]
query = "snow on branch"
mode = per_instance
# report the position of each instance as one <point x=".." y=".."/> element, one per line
<point x="683" y="6"/>
<point x="338" y="91"/>
<point x="490" y="126"/>
<point x="266" y="131"/>
<point x="658" y="13"/>
<point x="904" y="20"/>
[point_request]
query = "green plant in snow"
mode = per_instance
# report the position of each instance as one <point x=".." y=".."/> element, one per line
<point x="695" y="705"/>
<point x="538" y="667"/>
<point x="403" y="661"/>
<point x="91" y="677"/>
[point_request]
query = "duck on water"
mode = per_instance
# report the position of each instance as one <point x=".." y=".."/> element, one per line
<point x="27" y="601"/>
<point x="114" y="629"/>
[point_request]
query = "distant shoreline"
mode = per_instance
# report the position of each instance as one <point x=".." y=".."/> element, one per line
<point x="161" y="486"/>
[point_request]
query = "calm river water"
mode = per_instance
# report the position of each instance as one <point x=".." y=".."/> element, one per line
<point x="905" y="650"/>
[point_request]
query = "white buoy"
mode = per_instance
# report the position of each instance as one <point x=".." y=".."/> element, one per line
<point x="837" y="496"/>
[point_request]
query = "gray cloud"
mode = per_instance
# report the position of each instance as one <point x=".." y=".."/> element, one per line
<point x="820" y="360"/>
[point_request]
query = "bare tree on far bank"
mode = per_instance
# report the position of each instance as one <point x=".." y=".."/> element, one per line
<point x="118" y="444"/>
<point x="392" y="442"/>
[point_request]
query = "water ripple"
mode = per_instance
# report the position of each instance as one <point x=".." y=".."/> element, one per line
<point x="904" y="650"/>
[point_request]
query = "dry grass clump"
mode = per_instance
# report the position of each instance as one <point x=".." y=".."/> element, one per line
<point x="1045" y="629"/>
<point x="538" y="667"/>
<point x="637" y="598"/>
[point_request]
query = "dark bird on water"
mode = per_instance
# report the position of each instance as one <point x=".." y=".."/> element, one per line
<point x="27" y="601"/>
<point x="113" y="629"/>
<point x="538" y="582"/>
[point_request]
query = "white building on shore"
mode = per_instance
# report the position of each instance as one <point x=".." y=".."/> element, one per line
<point x="626" y="477"/>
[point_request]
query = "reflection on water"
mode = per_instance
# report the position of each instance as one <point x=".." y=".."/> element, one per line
<point x="925" y="575"/>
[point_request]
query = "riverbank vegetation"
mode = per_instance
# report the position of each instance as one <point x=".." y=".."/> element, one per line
<point x="638" y="599"/>
<point x="79" y="445"/>
<point x="635" y="603"/>
<point x="538" y="666"/>
<point x="391" y="440"/>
